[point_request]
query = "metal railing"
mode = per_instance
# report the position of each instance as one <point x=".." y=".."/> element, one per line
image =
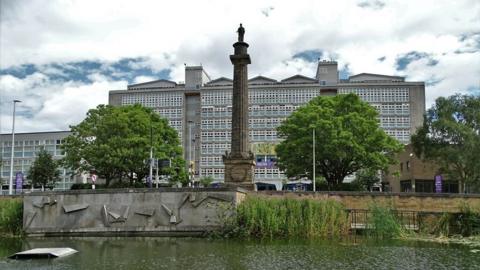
<point x="360" y="219"/>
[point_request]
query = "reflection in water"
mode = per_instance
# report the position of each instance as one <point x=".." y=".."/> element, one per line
<point x="197" y="253"/>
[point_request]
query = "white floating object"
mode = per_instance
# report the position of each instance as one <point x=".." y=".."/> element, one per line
<point x="43" y="253"/>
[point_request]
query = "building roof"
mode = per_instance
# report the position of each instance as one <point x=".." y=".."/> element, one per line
<point x="220" y="81"/>
<point x="39" y="132"/>
<point x="375" y="77"/>
<point x="262" y="80"/>
<point x="153" y="84"/>
<point x="299" y="79"/>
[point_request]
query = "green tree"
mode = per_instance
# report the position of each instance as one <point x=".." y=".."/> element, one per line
<point x="367" y="179"/>
<point x="116" y="141"/>
<point x="348" y="138"/>
<point x="450" y="137"/>
<point x="44" y="170"/>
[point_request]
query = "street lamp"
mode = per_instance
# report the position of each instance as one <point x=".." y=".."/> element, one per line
<point x="10" y="184"/>
<point x="313" y="139"/>
<point x="150" y="172"/>
<point x="190" y="123"/>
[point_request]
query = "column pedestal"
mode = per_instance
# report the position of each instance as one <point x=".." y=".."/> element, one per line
<point x="239" y="172"/>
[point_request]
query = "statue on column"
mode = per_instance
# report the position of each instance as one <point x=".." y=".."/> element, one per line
<point x="241" y="33"/>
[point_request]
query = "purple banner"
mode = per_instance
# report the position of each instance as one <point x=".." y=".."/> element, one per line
<point x="438" y="184"/>
<point x="265" y="164"/>
<point x="18" y="182"/>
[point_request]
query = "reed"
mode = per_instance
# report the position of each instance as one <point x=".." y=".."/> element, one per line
<point x="11" y="216"/>
<point x="383" y="223"/>
<point x="290" y="218"/>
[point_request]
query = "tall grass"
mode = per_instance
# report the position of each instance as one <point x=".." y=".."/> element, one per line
<point x="284" y="218"/>
<point x="465" y="223"/>
<point x="11" y="216"/>
<point x="383" y="223"/>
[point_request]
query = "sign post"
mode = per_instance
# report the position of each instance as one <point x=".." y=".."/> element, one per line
<point x="438" y="184"/>
<point x="18" y="182"/>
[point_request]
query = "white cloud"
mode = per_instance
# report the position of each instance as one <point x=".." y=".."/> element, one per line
<point x="170" y="33"/>
<point x="142" y="79"/>
<point x="50" y="105"/>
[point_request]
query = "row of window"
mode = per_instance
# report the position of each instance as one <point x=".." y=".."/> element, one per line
<point x="403" y="135"/>
<point x="154" y="100"/>
<point x="262" y="173"/>
<point x="30" y="153"/>
<point x="254" y="111"/>
<point x="394" y="122"/>
<point x="170" y="113"/>
<point x="256" y="96"/>
<point x="31" y="143"/>
<point x="255" y="135"/>
<point x="392" y="109"/>
<point x="254" y="123"/>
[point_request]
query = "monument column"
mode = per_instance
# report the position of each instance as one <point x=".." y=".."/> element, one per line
<point x="240" y="162"/>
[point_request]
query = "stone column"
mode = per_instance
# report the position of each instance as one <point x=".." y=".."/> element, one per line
<point x="240" y="162"/>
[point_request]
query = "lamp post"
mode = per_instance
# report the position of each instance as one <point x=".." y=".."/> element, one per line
<point x="10" y="184"/>
<point x="150" y="173"/>
<point x="190" y="122"/>
<point x="313" y="180"/>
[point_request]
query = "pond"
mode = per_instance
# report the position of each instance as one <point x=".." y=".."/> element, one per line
<point x="199" y="253"/>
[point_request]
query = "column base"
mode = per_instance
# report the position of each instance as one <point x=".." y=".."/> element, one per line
<point x="239" y="172"/>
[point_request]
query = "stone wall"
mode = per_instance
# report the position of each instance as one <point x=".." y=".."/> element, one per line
<point x="135" y="211"/>
<point x="422" y="202"/>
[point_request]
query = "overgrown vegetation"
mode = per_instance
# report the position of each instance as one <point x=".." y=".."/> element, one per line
<point x="11" y="217"/>
<point x="284" y="218"/>
<point x="382" y="222"/>
<point x="466" y="223"/>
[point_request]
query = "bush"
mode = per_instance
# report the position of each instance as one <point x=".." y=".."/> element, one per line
<point x="465" y="223"/>
<point x="11" y="216"/>
<point x="383" y="223"/>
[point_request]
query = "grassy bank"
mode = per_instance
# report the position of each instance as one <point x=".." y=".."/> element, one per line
<point x="261" y="217"/>
<point x="11" y="216"/>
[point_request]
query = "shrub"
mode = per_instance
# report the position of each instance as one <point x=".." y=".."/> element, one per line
<point x="383" y="223"/>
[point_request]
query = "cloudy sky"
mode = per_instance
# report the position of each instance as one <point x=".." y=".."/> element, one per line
<point x="62" y="57"/>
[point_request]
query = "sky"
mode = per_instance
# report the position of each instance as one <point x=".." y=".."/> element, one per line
<point x="60" y="58"/>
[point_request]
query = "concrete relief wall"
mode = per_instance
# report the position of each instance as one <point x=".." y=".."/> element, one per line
<point x="128" y="212"/>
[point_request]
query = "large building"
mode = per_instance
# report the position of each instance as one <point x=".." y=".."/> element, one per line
<point x="24" y="154"/>
<point x="412" y="174"/>
<point x="200" y="110"/>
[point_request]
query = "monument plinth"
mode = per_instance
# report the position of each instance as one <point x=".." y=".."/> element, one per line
<point x="240" y="162"/>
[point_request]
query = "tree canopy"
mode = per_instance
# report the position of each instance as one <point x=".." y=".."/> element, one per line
<point x="44" y="170"/>
<point x="347" y="134"/>
<point x="450" y="136"/>
<point x="116" y="141"/>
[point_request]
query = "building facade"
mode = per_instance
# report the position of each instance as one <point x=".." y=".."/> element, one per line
<point x="412" y="174"/>
<point x="200" y="110"/>
<point x="25" y="149"/>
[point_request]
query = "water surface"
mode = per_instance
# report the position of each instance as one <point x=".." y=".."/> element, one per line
<point x="197" y="253"/>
